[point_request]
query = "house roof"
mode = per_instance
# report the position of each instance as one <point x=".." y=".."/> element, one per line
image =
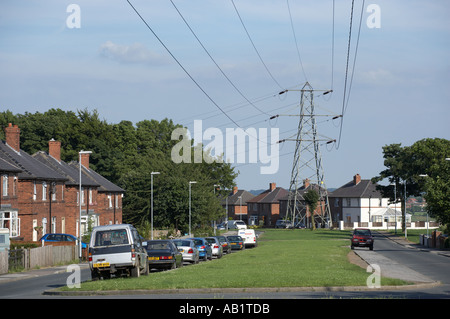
<point x="71" y="173"/>
<point x="29" y="166"/>
<point x="234" y="199"/>
<point x="269" y="196"/>
<point x="7" y="167"/>
<point x="302" y="190"/>
<point x="105" y="185"/>
<point x="364" y="189"/>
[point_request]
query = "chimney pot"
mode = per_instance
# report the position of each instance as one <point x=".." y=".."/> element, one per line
<point x="13" y="136"/>
<point x="54" y="149"/>
<point x="85" y="160"/>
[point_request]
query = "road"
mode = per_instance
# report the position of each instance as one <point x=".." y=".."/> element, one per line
<point x="394" y="260"/>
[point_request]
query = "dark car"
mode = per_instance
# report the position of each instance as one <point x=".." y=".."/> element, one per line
<point x="236" y="242"/>
<point x="163" y="254"/>
<point x="61" y="237"/>
<point x="362" y="237"/>
<point x="225" y="244"/>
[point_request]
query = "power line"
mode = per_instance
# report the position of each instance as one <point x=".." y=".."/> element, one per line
<point x="254" y="46"/>
<point x="181" y="66"/>
<point x="296" y="43"/>
<point x="345" y="98"/>
<point x="214" y="61"/>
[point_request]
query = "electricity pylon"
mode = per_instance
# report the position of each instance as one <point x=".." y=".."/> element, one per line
<point x="307" y="163"/>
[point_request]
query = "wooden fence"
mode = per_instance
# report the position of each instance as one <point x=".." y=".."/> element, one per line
<point x="31" y="258"/>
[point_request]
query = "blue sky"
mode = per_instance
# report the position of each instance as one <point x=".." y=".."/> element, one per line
<point x="113" y="63"/>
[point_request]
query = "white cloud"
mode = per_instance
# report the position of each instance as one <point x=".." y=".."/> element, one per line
<point x="134" y="53"/>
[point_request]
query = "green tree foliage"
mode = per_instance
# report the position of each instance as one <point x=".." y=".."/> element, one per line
<point x="126" y="154"/>
<point x="424" y="168"/>
<point x="311" y="199"/>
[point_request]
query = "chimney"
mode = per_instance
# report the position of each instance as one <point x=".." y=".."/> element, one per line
<point x="54" y="149"/>
<point x="13" y="137"/>
<point x="306" y="183"/>
<point x="85" y="160"/>
<point x="272" y="186"/>
<point x="356" y="179"/>
<point x="235" y="189"/>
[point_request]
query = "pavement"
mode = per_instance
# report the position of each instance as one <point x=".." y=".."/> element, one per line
<point x="391" y="269"/>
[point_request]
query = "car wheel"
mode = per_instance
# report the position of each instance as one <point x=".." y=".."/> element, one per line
<point x="135" y="271"/>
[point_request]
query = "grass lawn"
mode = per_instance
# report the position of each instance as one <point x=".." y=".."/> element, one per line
<point x="283" y="258"/>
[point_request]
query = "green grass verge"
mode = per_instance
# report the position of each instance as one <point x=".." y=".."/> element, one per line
<point x="283" y="258"/>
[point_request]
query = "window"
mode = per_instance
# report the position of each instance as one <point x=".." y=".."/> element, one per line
<point x="44" y="191"/>
<point x="336" y="202"/>
<point x="11" y="221"/>
<point x="34" y="190"/>
<point x="109" y="201"/>
<point x="349" y="202"/>
<point x="5" y="185"/>
<point x="90" y="196"/>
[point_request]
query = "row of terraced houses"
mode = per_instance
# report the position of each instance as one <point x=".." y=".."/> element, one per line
<point x="40" y="193"/>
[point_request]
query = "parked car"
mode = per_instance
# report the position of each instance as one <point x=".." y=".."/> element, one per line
<point x="61" y="237"/>
<point x="249" y="237"/>
<point x="225" y="244"/>
<point x="362" y="237"/>
<point x="281" y="223"/>
<point x="216" y="246"/>
<point x="221" y="226"/>
<point x="163" y="254"/>
<point x="118" y="250"/>
<point x="205" y="251"/>
<point x="236" y="224"/>
<point x="236" y="242"/>
<point x="188" y="250"/>
<point x="300" y="225"/>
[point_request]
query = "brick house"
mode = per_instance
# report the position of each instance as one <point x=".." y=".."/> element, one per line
<point x="303" y="208"/>
<point x="44" y="195"/>
<point x="266" y="206"/>
<point x="237" y="204"/>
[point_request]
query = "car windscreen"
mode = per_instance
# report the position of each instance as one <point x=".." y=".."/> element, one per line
<point x="363" y="232"/>
<point x="111" y="237"/>
<point x="158" y="246"/>
<point x="182" y="242"/>
<point x="236" y="238"/>
<point x="210" y="240"/>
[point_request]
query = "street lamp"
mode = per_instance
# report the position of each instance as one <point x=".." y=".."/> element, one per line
<point x="79" y="203"/>
<point x="190" y="183"/>
<point x="151" y="192"/>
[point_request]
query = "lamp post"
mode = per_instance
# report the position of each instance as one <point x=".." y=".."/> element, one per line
<point x="79" y="203"/>
<point x="151" y="192"/>
<point x="190" y="183"/>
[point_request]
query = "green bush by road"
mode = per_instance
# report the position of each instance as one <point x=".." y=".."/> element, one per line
<point x="283" y="258"/>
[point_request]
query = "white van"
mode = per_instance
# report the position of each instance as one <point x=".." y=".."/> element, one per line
<point x="236" y="224"/>
<point x="117" y="249"/>
<point x="249" y="237"/>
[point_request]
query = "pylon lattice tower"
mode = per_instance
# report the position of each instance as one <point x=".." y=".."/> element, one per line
<point x="307" y="163"/>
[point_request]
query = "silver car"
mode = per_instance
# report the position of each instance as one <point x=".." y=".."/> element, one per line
<point x="188" y="249"/>
<point x="217" y="249"/>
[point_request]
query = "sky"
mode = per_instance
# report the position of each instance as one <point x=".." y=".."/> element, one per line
<point x="99" y="55"/>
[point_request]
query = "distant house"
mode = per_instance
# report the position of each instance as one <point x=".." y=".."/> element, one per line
<point x="236" y="202"/>
<point x="40" y="193"/>
<point x="355" y="201"/>
<point x="265" y="207"/>
<point x="284" y="202"/>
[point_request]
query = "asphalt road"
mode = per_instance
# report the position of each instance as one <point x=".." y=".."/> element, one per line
<point x="399" y="261"/>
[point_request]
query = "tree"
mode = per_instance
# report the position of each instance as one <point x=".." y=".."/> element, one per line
<point x="424" y="169"/>
<point x="311" y="199"/>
